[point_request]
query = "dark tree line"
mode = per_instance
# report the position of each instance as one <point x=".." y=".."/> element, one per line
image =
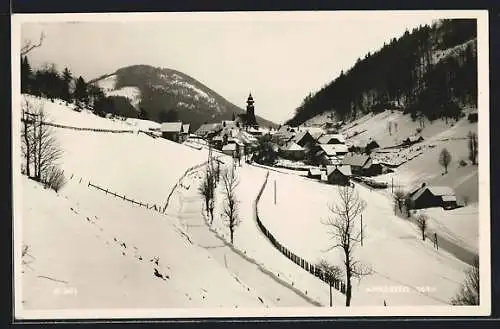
<point x="403" y="74"/>
<point x="50" y="83"/>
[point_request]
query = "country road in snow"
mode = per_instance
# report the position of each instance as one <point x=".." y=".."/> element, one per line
<point x="274" y="290"/>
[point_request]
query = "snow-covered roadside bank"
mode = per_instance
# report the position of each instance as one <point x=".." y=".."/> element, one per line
<point x="272" y="289"/>
<point x="84" y="250"/>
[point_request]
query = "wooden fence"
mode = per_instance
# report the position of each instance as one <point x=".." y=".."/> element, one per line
<point x="123" y="197"/>
<point x="307" y="266"/>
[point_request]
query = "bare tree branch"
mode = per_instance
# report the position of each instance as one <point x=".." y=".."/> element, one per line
<point x="28" y="45"/>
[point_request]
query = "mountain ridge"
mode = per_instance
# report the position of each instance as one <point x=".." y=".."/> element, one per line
<point x="166" y="94"/>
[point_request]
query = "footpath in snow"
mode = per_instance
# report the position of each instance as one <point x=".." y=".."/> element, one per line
<point x="252" y="274"/>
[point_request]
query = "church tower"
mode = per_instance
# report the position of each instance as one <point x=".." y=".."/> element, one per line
<point x="250" y="117"/>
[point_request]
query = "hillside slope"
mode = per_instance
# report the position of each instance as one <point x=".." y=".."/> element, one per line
<point x="428" y="71"/>
<point x="167" y="94"/>
<point x="88" y="249"/>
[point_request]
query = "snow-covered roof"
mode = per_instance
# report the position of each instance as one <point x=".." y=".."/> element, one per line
<point x="292" y="146"/>
<point x="344" y="169"/>
<point x="228" y="123"/>
<point x="207" y="127"/>
<point x="449" y="198"/>
<point x="314" y="171"/>
<point x="229" y="147"/>
<point x="315" y="132"/>
<point x="358" y="160"/>
<point x="439" y="191"/>
<point x="325" y="139"/>
<point x="171" y="127"/>
<point x="333" y="149"/>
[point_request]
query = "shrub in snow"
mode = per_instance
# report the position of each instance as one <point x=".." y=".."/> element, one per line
<point x="462" y="163"/>
<point x="469" y="291"/>
<point x="422" y="224"/>
<point x="54" y="178"/>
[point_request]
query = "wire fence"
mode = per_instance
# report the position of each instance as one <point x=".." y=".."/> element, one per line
<point x="307" y="266"/>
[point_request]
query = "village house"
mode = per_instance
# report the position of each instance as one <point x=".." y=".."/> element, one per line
<point x="208" y="129"/>
<point x="304" y="139"/>
<point x="172" y="131"/>
<point x="315" y="132"/>
<point x="292" y="151"/>
<point x="314" y="173"/>
<point x="229" y="149"/>
<point x="338" y="175"/>
<point x="358" y="162"/>
<point x="433" y="196"/>
<point x="332" y="139"/>
<point x="412" y="140"/>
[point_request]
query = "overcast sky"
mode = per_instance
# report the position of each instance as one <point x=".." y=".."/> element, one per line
<point x="279" y="57"/>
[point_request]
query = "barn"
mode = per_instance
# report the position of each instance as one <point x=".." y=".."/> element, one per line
<point x="171" y="131"/>
<point x="433" y="196"/>
<point x="338" y="175"/>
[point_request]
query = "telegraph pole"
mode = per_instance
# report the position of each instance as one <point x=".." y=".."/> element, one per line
<point x="275" y="191"/>
<point x="361" y="230"/>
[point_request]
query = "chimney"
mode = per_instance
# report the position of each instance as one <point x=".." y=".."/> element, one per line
<point x="423" y="184"/>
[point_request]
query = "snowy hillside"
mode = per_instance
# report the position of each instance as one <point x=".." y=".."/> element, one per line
<point x="80" y="228"/>
<point x="388" y="241"/>
<point x="419" y="163"/>
<point x="133" y="94"/>
<point x="85" y="250"/>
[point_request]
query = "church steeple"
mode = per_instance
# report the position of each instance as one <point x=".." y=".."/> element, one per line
<point x="250" y="117"/>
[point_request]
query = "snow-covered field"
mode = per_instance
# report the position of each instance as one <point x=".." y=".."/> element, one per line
<point x="391" y="246"/>
<point x="86" y="250"/>
<point x="131" y="93"/>
<point x="376" y="126"/>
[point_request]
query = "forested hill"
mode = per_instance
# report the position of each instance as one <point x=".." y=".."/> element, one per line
<point x="430" y="71"/>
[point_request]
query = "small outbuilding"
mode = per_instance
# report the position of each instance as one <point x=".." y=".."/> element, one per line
<point x="314" y="173"/>
<point x="433" y="196"/>
<point x="338" y="175"/>
<point x="171" y="131"/>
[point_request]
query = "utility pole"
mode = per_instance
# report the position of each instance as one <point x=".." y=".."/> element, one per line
<point x="275" y="191"/>
<point x="392" y="185"/>
<point x="361" y="230"/>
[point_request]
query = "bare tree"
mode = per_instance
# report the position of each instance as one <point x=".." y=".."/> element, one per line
<point x="472" y="144"/>
<point x="399" y="197"/>
<point x="40" y="148"/>
<point x="469" y="291"/>
<point x="206" y="189"/>
<point x="27" y="119"/>
<point x="422" y="224"/>
<point x="445" y="159"/>
<point x="29" y="45"/>
<point x="345" y="231"/>
<point x="230" y="182"/>
<point x="47" y="150"/>
<point x="332" y="273"/>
